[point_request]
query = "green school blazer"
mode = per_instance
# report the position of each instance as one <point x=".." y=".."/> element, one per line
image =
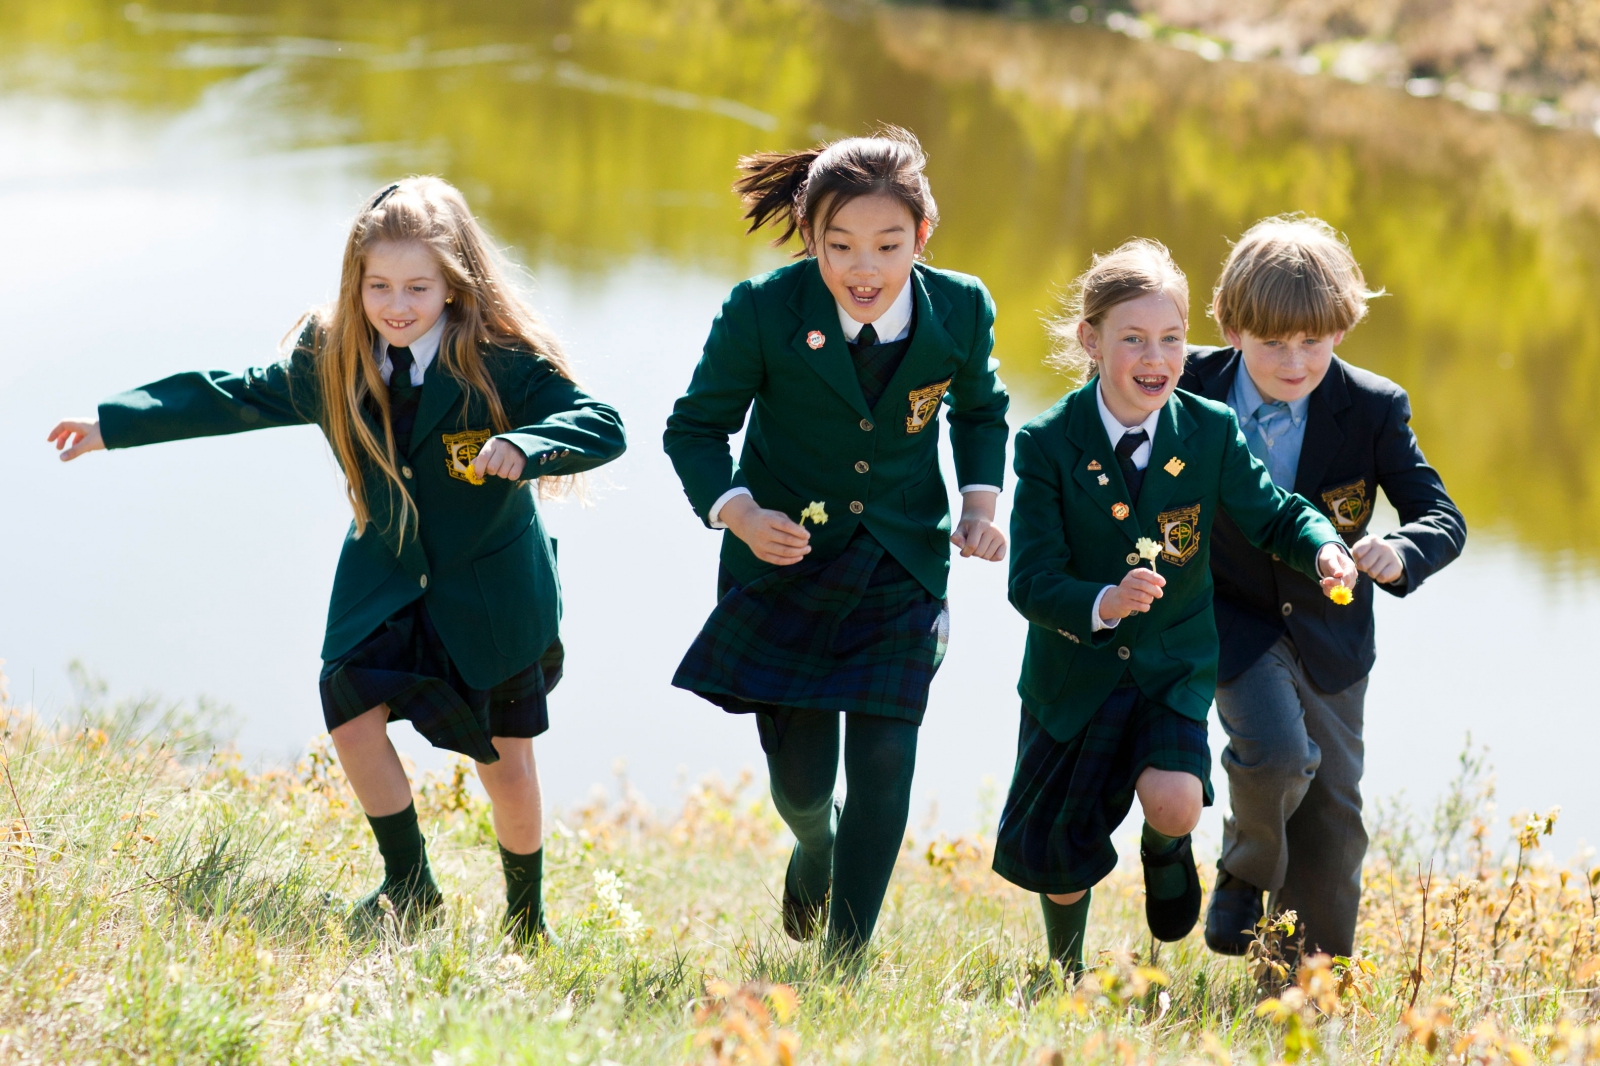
<point x="777" y="344"/>
<point x="479" y="556"/>
<point x="1071" y="536"/>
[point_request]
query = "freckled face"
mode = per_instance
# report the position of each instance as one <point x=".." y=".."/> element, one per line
<point x="402" y="291"/>
<point x="1139" y="350"/>
<point x="867" y="252"/>
<point x="1285" y="368"/>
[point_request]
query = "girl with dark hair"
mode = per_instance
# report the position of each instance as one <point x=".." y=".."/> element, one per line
<point x="846" y="357"/>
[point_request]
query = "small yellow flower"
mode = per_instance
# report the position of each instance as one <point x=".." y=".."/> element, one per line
<point x="816" y="512"/>
<point x="473" y="477"/>
<point x="1341" y="595"/>
<point x="1148" y="549"/>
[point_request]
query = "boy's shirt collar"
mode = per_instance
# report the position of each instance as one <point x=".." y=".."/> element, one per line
<point x="1115" y="429"/>
<point x="893" y="325"/>
<point x="1250" y="399"/>
<point x="423" y="349"/>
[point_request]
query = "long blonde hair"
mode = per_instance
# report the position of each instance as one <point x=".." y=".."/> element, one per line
<point x="1135" y="268"/>
<point x="485" y="311"/>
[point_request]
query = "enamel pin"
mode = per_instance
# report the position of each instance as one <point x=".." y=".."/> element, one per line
<point x="1119" y="511"/>
<point x="1174" y="466"/>
<point x="1104" y="479"/>
<point x="815" y="339"/>
<point x="1094" y="464"/>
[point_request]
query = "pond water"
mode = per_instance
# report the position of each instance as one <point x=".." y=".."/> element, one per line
<point x="177" y="182"/>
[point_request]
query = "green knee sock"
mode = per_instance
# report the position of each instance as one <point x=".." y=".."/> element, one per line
<point x="524" y="890"/>
<point x="406" y="873"/>
<point x="1064" y="924"/>
<point x="1165" y="882"/>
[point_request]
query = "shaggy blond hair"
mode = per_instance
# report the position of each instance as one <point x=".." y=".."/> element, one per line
<point x="1137" y="268"/>
<point x="1290" y="274"/>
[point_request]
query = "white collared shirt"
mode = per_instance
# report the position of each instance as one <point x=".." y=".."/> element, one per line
<point x="893" y="325"/>
<point x="1141" y="459"/>
<point x="423" y="349"/>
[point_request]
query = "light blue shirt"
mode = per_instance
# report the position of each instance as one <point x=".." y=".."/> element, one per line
<point x="1275" y="430"/>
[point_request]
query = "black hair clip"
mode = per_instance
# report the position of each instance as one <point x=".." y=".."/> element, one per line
<point x="378" y="200"/>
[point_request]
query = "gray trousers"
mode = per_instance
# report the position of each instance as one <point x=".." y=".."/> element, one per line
<point x="1294" y="760"/>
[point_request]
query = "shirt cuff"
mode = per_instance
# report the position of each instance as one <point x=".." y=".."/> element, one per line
<point x="716" y="508"/>
<point x="1096" y="624"/>
<point x="979" y="488"/>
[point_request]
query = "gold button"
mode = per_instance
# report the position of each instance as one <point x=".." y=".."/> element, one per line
<point x="1276" y="559"/>
<point x="866" y="426"/>
<point x="1288" y="609"/>
<point x="1133" y="558"/>
<point x="1123" y="652"/>
<point x="862" y="467"/>
<point x="424" y="580"/>
<point x="856" y="507"/>
<point x="406" y="471"/>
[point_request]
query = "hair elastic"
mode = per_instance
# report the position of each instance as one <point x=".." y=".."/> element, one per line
<point x="382" y="196"/>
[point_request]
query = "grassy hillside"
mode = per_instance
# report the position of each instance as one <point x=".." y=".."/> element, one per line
<point x="162" y="905"/>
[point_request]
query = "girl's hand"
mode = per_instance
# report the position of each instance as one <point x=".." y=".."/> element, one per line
<point x="1336" y="569"/>
<point x="77" y="436"/>
<point x="500" y="458"/>
<point x="1377" y="558"/>
<point x="976" y="534"/>
<point x="1139" y="589"/>
<point x="773" y="536"/>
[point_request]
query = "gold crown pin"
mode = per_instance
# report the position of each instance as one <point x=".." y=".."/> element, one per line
<point x="1174" y="466"/>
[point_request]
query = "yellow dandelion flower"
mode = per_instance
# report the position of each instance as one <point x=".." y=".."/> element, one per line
<point x="473" y="477"/>
<point x="1342" y="596"/>
<point x="816" y="512"/>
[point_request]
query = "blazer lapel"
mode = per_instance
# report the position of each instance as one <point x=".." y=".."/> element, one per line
<point x="440" y="393"/>
<point x="814" y="306"/>
<point x="1220" y="384"/>
<point x="1323" y="434"/>
<point x="1097" y="460"/>
<point x="1170" y="459"/>
<point x="930" y="344"/>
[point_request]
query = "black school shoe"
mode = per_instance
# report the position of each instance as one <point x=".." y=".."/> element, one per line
<point x="1232" y="916"/>
<point x="415" y="904"/>
<point x="1171" y="919"/>
<point x="801" y="920"/>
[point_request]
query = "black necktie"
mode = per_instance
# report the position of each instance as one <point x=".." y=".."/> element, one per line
<point x="866" y="338"/>
<point x="402" y="396"/>
<point x="1125" y="448"/>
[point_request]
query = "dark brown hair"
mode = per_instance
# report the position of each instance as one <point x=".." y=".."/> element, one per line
<point x="802" y="190"/>
<point x="1291" y="274"/>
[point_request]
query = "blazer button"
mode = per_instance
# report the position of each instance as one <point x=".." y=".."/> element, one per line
<point x="406" y="472"/>
<point x="423" y="580"/>
<point x="1287" y="609"/>
<point x="856" y="507"/>
<point x="862" y="467"/>
<point x="866" y="427"/>
<point x="1276" y="559"/>
<point x="1133" y="558"/>
<point x="1123" y="652"/>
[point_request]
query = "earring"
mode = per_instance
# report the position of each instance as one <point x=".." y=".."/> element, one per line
<point x="449" y="299"/>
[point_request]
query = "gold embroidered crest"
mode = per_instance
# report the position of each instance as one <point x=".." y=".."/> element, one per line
<point x="1180" y="533"/>
<point x="925" y="404"/>
<point x="459" y="451"/>
<point x="1348" y="505"/>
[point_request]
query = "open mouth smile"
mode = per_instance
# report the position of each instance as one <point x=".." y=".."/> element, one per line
<point x="1151" y="384"/>
<point x="864" y="295"/>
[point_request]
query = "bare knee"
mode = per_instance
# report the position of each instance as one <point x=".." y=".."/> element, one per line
<point x="1172" y="800"/>
<point x="516" y="767"/>
<point x="1066" y="900"/>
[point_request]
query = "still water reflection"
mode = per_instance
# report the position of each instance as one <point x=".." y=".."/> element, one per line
<point x="176" y="183"/>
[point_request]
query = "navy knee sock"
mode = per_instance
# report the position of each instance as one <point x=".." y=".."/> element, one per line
<point x="1064" y="925"/>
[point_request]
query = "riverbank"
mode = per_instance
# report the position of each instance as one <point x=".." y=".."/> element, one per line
<point x="163" y="905"/>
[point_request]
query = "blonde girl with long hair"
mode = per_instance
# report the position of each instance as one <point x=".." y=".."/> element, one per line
<point x="445" y="399"/>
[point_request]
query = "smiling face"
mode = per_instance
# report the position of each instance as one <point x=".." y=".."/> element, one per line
<point x="402" y="291"/>
<point x="1138" y="349"/>
<point x="1285" y="368"/>
<point x="866" y="254"/>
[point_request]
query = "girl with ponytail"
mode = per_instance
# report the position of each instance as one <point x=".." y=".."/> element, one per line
<point x="843" y="362"/>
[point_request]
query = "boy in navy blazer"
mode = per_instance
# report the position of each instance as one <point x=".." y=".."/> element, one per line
<point x="1294" y="665"/>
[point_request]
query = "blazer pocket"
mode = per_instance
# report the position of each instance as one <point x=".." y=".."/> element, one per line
<point x="1193" y="640"/>
<point x="928" y="505"/>
<point x="515" y="583"/>
<point x="1047" y="665"/>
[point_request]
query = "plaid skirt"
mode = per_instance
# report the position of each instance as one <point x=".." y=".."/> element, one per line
<point x="856" y="633"/>
<point x="404" y="664"/>
<point x="1067" y="799"/>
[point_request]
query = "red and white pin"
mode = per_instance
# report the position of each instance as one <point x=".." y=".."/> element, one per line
<point x="815" y="339"/>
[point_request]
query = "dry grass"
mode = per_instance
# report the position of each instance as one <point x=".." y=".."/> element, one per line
<point x="162" y="905"/>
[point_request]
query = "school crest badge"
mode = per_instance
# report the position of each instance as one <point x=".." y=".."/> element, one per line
<point x="459" y="451"/>
<point x="925" y="404"/>
<point x="815" y="339"/>
<point x="1180" y="533"/>
<point x="1348" y="505"/>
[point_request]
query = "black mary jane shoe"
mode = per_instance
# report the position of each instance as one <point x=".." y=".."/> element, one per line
<point x="1171" y="920"/>
<point x="801" y="920"/>
<point x="1233" y="914"/>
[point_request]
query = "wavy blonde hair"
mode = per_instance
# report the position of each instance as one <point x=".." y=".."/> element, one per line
<point x="485" y="311"/>
<point x="1135" y="268"/>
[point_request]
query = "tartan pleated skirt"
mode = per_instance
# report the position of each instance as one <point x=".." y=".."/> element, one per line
<point x="1067" y="799"/>
<point x="405" y="665"/>
<point x="857" y="633"/>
